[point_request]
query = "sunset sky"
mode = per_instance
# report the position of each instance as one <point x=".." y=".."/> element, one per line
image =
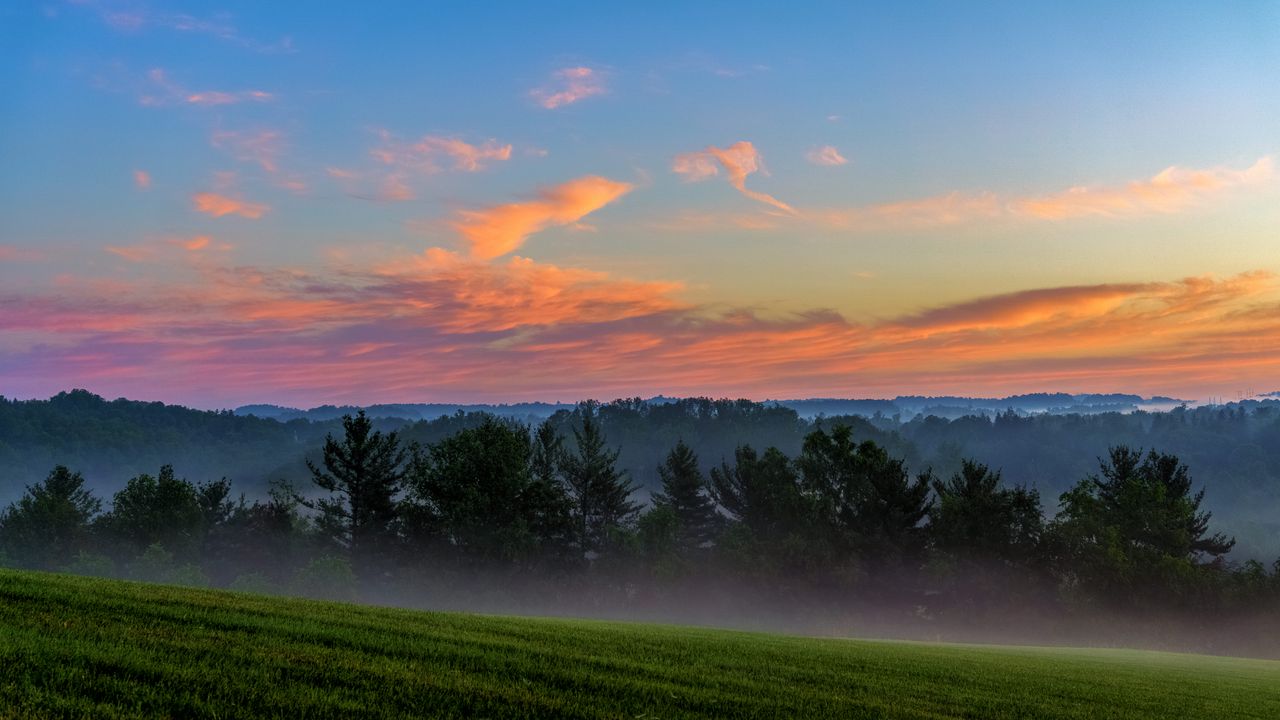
<point x="252" y="202"/>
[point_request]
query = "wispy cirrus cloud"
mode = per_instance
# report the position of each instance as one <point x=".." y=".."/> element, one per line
<point x="1171" y="190"/>
<point x="568" y="86"/>
<point x="426" y="153"/>
<point x="162" y="91"/>
<point x="134" y="18"/>
<point x="262" y="147"/>
<point x="1174" y="189"/>
<point x="826" y="155"/>
<point x="501" y="229"/>
<point x="737" y="160"/>
<point x="399" y="162"/>
<point x="162" y="249"/>
<point x="217" y="205"/>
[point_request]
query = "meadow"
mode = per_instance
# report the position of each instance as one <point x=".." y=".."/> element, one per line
<point x="84" y="647"/>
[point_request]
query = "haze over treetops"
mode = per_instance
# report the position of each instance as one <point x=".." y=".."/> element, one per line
<point x="226" y="203"/>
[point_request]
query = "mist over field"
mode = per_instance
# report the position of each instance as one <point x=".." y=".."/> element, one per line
<point x="1022" y="526"/>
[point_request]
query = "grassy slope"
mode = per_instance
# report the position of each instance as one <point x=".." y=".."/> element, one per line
<point x="96" y="648"/>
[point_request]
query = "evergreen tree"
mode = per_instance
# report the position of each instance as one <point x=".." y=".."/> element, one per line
<point x="975" y="518"/>
<point x="988" y="542"/>
<point x="865" y="498"/>
<point x="363" y="474"/>
<point x="49" y="524"/>
<point x="600" y="492"/>
<point x="1135" y="533"/>
<point x="684" y="491"/>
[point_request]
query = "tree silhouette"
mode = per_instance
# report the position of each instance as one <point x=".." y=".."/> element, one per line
<point x="363" y="474"/>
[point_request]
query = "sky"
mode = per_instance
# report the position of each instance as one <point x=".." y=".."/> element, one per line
<point x="228" y="203"/>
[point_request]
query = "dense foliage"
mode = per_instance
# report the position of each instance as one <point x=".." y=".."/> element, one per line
<point x="502" y="510"/>
<point x="1234" y="450"/>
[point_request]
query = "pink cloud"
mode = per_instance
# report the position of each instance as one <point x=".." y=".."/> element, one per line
<point x="423" y="153"/>
<point x="498" y="230"/>
<point x="568" y="86"/>
<point x="161" y="249"/>
<point x="825" y="155"/>
<point x="142" y="179"/>
<point x="262" y="147"/>
<point x="738" y="161"/>
<point x="221" y="205"/>
<point x="13" y="253"/>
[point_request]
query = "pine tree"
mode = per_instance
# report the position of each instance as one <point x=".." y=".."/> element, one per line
<point x="363" y="475"/>
<point x="684" y="492"/>
<point x="600" y="492"/>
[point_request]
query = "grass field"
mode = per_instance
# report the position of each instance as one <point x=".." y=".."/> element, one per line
<point x="80" y="647"/>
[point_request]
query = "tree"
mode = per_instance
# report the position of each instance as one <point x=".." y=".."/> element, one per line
<point x="865" y="498"/>
<point x="491" y="509"/>
<point x="988" y="541"/>
<point x="1135" y="533"/>
<point x="771" y="535"/>
<point x="975" y="518"/>
<point x="163" y="509"/>
<point x="49" y="524"/>
<point x="600" y="492"/>
<point x="684" y="492"/>
<point x="363" y="474"/>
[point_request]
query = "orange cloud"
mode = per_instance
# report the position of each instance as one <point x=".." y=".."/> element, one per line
<point x="1170" y="190"/>
<point x="738" y="161"/>
<point x="450" y="325"/>
<point x="825" y="155"/>
<point x="198" y="242"/>
<point x="221" y="205"/>
<point x="1173" y="189"/>
<point x="142" y="179"/>
<point x="501" y="229"/>
<point x="568" y="86"/>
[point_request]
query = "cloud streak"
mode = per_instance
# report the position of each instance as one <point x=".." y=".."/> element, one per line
<point x="826" y="155"/>
<point x="217" y="205"/>
<point x="501" y="229"/>
<point x="1172" y="190"/>
<point x="425" y="153"/>
<point x="164" y="91"/>
<point x="568" y="86"/>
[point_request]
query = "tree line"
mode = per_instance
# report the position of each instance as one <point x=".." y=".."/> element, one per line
<point x="538" y="511"/>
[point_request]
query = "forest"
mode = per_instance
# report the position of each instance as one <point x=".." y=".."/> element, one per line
<point x="501" y="515"/>
<point x="1234" y="450"/>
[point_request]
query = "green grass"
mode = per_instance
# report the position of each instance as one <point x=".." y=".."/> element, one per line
<point x="80" y="647"/>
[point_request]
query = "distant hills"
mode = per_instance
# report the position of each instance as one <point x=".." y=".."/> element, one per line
<point x="904" y="406"/>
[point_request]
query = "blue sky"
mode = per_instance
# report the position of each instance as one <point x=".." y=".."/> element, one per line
<point x="894" y="162"/>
